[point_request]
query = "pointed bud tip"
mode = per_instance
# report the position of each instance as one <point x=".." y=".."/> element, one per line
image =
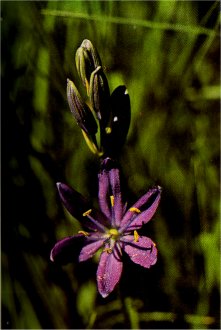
<point x="61" y="187"/>
<point x="51" y="256"/>
<point x="86" y="42"/>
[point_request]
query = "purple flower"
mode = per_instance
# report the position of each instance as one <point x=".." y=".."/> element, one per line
<point x="113" y="228"/>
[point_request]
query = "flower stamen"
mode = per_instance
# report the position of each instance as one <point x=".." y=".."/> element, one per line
<point x="136" y="236"/>
<point x="108" y="130"/>
<point x="97" y="223"/>
<point x="85" y="214"/>
<point x="112" y="200"/>
<point x="85" y="233"/>
<point x="108" y="250"/>
<point x="134" y="209"/>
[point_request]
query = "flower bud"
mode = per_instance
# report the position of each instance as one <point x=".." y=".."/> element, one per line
<point x="117" y="131"/>
<point x="99" y="94"/>
<point x="87" y="60"/>
<point x="80" y="110"/>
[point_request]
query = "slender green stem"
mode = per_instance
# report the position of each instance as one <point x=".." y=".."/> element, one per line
<point x="131" y="317"/>
<point x="132" y="313"/>
<point x="130" y="21"/>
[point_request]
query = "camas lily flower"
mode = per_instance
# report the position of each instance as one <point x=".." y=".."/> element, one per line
<point x="113" y="228"/>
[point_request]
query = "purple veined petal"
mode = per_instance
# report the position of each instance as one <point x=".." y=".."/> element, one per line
<point x="90" y="249"/>
<point x="67" y="249"/>
<point x="73" y="201"/>
<point x="78" y="207"/>
<point x="142" y="211"/>
<point x="109" y="184"/>
<point x="104" y="193"/>
<point x="108" y="272"/>
<point x="114" y="177"/>
<point x="142" y="252"/>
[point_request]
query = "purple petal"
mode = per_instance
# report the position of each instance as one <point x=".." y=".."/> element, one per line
<point x="116" y="191"/>
<point x="143" y="252"/>
<point x="73" y="201"/>
<point x="77" y="205"/>
<point x="104" y="193"/>
<point x="109" y="185"/>
<point x="90" y="249"/>
<point x="108" y="272"/>
<point x="146" y="205"/>
<point x="67" y="249"/>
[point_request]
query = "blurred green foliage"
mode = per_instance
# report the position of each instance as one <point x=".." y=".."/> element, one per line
<point x="167" y="54"/>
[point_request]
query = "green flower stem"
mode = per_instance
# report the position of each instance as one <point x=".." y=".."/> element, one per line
<point x="131" y="317"/>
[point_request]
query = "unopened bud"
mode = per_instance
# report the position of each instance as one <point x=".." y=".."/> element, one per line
<point x="80" y="110"/>
<point x="87" y="60"/>
<point x="119" y="124"/>
<point x="99" y="94"/>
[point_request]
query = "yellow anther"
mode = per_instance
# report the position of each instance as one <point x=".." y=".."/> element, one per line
<point x="112" y="200"/>
<point x="134" y="209"/>
<point x="108" y="250"/>
<point x="83" y="232"/>
<point x="87" y="213"/>
<point x="136" y="236"/>
<point x="108" y="130"/>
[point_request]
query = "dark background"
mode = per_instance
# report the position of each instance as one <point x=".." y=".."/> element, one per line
<point x="167" y="54"/>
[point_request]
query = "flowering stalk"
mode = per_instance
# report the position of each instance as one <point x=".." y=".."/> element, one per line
<point x="113" y="228"/>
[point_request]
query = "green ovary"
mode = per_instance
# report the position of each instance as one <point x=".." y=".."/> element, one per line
<point x="114" y="233"/>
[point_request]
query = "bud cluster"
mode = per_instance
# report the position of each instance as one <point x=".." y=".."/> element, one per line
<point x="105" y="118"/>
